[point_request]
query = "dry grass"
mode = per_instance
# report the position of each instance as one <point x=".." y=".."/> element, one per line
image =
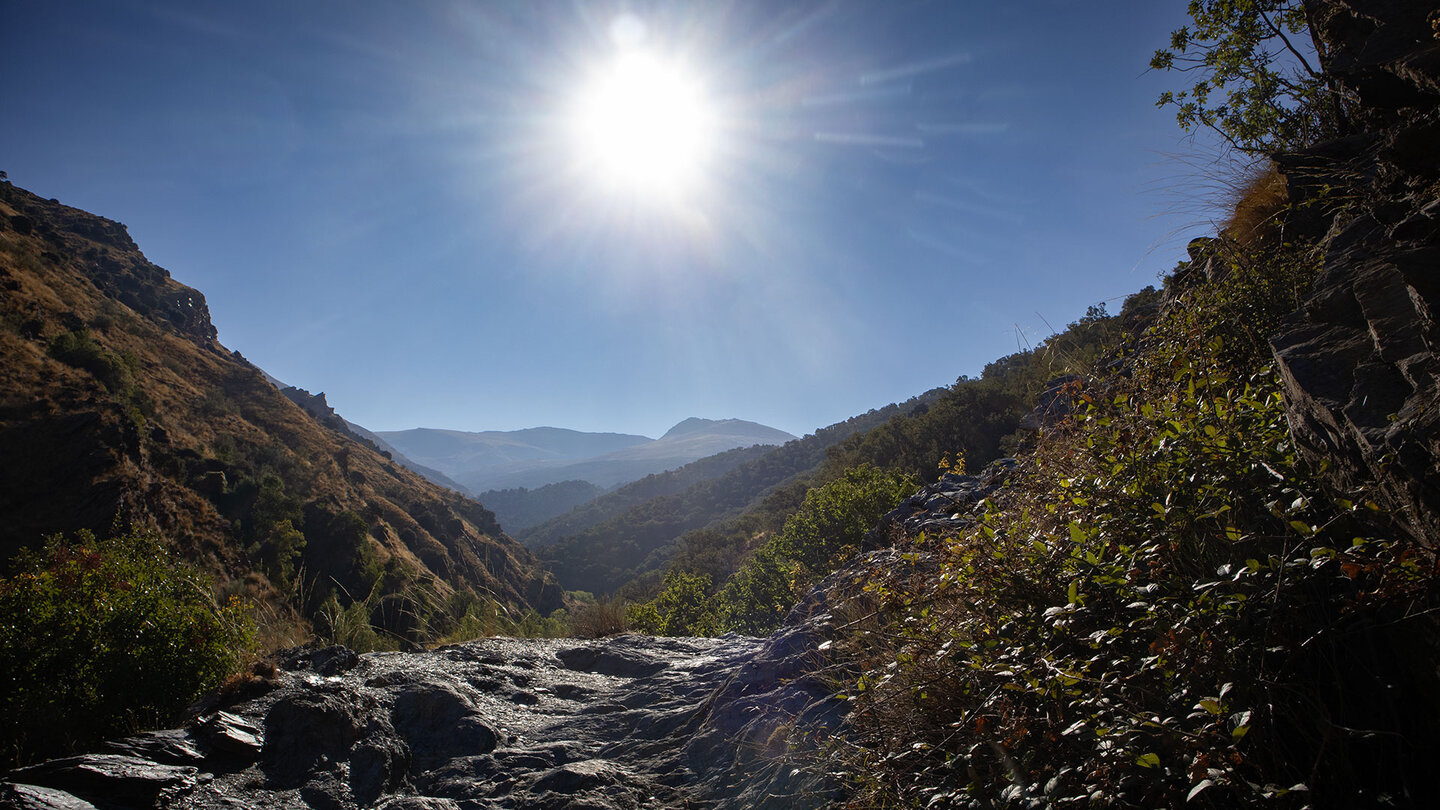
<point x="604" y="618"/>
<point x="1256" y="219"/>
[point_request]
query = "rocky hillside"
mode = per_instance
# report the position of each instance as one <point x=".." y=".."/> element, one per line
<point x="117" y="404"/>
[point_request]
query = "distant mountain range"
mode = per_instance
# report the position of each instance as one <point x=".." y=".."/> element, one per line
<point x="535" y="457"/>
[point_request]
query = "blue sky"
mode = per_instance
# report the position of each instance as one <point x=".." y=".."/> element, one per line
<point x="383" y="200"/>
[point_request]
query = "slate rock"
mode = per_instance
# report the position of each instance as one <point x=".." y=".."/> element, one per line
<point x="304" y="728"/>
<point x="612" y="657"/>
<point x="168" y="747"/>
<point x="34" y="797"/>
<point x="438" y="721"/>
<point x="108" y="777"/>
<point x="231" y="734"/>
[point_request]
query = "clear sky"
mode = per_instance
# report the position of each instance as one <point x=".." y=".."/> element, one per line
<point x="611" y="216"/>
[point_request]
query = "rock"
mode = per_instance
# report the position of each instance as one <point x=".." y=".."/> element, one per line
<point x="34" y="797"/>
<point x="1359" y="364"/>
<point x="439" y="721"/>
<point x="307" y="729"/>
<point x="610" y="658"/>
<point x="231" y="734"/>
<point x="170" y="747"/>
<point x="108" y="777"/>
<point x="630" y="722"/>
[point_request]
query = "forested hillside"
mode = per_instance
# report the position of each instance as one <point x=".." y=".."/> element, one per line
<point x="744" y="573"/>
<point x="628" y="533"/>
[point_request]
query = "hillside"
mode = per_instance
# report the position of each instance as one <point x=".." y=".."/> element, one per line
<point x="521" y="508"/>
<point x="119" y="407"/>
<point x="628" y="533"/>
<point x="1210" y="577"/>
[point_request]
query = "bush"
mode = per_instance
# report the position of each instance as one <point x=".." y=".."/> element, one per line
<point x="820" y="537"/>
<point x="80" y="350"/>
<point x="105" y="637"/>
<point x="600" y="619"/>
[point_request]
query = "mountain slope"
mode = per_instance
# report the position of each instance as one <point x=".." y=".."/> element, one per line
<point x="118" y="404"/>
<point x="519" y="509"/>
<point x="636" y="530"/>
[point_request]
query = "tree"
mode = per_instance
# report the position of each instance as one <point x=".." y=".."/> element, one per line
<point x="1261" y="65"/>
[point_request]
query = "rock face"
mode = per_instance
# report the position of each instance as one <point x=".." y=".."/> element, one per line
<point x="1359" y="364"/>
<point x="630" y="722"/>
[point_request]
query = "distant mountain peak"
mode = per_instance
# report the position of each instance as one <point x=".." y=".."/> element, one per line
<point x="692" y="425"/>
<point x="695" y="425"/>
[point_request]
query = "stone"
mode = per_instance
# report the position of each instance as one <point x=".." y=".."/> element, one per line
<point x="609" y="658"/>
<point x="107" y="777"/>
<point x="231" y="734"/>
<point x="169" y="747"/>
<point x="34" y="797"/>
<point x="438" y="721"/>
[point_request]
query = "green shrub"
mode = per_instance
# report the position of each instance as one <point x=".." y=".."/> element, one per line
<point x="817" y="539"/>
<point x="1165" y="608"/>
<point x="680" y="609"/>
<point x="80" y="350"/>
<point x="104" y="637"/>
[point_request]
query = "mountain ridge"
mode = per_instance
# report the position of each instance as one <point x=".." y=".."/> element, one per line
<point x="118" y="406"/>
<point x="537" y="457"/>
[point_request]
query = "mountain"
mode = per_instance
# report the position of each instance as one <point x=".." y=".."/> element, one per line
<point x="119" y="406"/>
<point x="625" y="534"/>
<point x="496" y="460"/>
<point x="322" y="412"/>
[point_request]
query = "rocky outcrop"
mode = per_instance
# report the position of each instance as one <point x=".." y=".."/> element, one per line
<point x="1361" y="373"/>
<point x="630" y="722"/>
<point x="945" y="505"/>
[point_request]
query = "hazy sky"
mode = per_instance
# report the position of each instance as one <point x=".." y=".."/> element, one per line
<point x="405" y="205"/>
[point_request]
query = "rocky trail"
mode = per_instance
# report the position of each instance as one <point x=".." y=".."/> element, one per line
<point x="626" y="722"/>
<point x="501" y="723"/>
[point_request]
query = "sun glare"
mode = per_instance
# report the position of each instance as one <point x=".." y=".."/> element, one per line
<point x="643" y="125"/>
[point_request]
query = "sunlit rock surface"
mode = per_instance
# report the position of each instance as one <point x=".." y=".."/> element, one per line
<point x="628" y="722"/>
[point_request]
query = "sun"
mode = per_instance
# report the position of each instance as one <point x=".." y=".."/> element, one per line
<point x="642" y="124"/>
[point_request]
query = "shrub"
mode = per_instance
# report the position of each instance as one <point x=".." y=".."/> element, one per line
<point x="680" y="609"/>
<point x="817" y="539"/>
<point x="104" y="637"/>
<point x="80" y="350"/>
<point x="600" y="619"/>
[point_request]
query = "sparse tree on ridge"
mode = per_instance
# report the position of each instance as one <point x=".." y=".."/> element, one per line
<point x="1262" y="82"/>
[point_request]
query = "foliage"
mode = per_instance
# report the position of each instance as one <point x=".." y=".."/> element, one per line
<point x="682" y="607"/>
<point x="1165" y="606"/>
<point x="1261" y="86"/>
<point x="80" y="350"/>
<point x="275" y="539"/>
<point x="825" y="532"/>
<point x="104" y="637"/>
<point x="338" y="549"/>
<point x="607" y="617"/>
<point x="1255" y="289"/>
<point x="1104" y="634"/>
